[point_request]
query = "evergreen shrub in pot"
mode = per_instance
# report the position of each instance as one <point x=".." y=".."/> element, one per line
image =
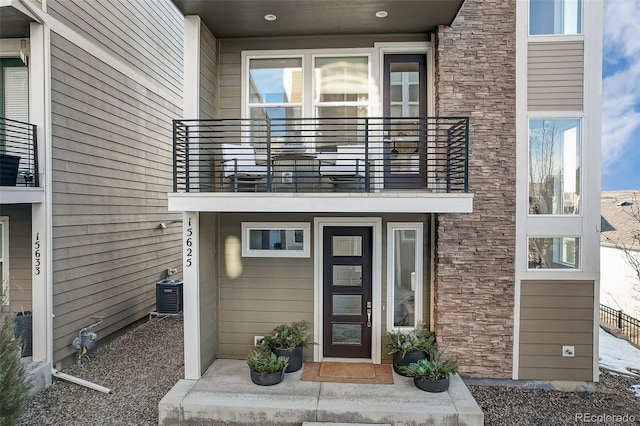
<point x="410" y="346"/>
<point x="288" y="340"/>
<point x="266" y="367"/>
<point x="432" y="375"/>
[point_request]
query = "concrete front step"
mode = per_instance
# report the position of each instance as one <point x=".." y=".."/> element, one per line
<point x="343" y="424"/>
<point x="226" y="395"/>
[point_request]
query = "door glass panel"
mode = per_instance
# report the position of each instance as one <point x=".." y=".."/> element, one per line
<point x="347" y="275"/>
<point x="347" y="304"/>
<point x="405" y="86"/>
<point x="346" y="334"/>
<point x="346" y="245"/>
<point x="404" y="277"/>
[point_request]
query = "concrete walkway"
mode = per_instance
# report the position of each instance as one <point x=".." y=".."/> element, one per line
<point x="225" y="395"/>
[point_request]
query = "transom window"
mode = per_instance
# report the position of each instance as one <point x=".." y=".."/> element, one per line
<point x="265" y="239"/>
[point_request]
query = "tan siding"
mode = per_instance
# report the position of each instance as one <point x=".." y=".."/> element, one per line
<point x="272" y="291"/>
<point x="231" y="58"/>
<point x="555" y="76"/>
<point x="553" y="314"/>
<point x="208" y="74"/>
<point x="19" y="255"/>
<point x="111" y="159"/>
<point x="146" y="35"/>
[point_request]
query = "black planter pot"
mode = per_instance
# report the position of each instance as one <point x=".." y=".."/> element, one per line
<point x="295" y="358"/>
<point x="267" y="379"/>
<point x="409" y="357"/>
<point x="427" y="385"/>
<point x="22" y="330"/>
<point x="9" y="169"/>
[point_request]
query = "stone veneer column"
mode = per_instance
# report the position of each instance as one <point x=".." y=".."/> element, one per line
<point x="474" y="290"/>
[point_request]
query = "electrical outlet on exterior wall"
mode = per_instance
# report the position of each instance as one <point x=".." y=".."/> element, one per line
<point x="568" y="351"/>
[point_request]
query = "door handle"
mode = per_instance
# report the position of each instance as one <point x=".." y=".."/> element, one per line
<point x="369" y="318"/>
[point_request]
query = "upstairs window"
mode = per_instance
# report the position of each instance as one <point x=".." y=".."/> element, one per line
<point x="554" y="167"/>
<point x="555" y="17"/>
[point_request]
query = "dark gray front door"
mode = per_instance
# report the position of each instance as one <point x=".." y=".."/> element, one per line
<point x="347" y="279"/>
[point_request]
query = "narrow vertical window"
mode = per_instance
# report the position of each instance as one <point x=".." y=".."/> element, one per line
<point x="404" y="275"/>
<point x="551" y="17"/>
<point x="554" y="167"/>
<point x="4" y="260"/>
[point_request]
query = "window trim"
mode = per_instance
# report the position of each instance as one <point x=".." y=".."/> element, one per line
<point x="419" y="282"/>
<point x="276" y="226"/>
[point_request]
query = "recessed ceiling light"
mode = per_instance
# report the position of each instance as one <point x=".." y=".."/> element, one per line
<point x="270" y="17"/>
<point x="382" y="14"/>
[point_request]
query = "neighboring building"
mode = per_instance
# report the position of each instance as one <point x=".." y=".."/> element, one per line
<point x="312" y="186"/>
<point x="98" y="86"/>
<point x="619" y="282"/>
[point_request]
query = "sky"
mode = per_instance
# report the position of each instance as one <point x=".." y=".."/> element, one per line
<point x="621" y="96"/>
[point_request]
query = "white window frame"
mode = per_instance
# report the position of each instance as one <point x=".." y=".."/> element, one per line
<point x="580" y="144"/>
<point x="4" y="258"/>
<point x="557" y="254"/>
<point x="419" y="272"/>
<point x="276" y="226"/>
<point x="552" y="37"/>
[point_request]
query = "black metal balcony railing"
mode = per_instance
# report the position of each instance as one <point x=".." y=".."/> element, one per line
<point x="18" y="153"/>
<point x="321" y="154"/>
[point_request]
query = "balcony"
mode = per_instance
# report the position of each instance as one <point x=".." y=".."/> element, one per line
<point x="18" y="154"/>
<point x="321" y="155"/>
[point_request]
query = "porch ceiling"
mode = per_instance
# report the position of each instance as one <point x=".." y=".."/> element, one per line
<point x="14" y="20"/>
<point x="245" y="18"/>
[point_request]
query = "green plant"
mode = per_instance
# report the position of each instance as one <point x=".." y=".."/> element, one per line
<point x="288" y="336"/>
<point x="266" y="362"/>
<point x="13" y="381"/>
<point x="436" y="368"/>
<point x="418" y="340"/>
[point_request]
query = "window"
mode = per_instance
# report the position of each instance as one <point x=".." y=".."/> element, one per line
<point x="554" y="253"/>
<point x="549" y="17"/>
<point x="4" y="257"/>
<point x="261" y="239"/>
<point x="404" y="275"/>
<point x="14" y="90"/>
<point x="282" y="89"/>
<point x="554" y="167"/>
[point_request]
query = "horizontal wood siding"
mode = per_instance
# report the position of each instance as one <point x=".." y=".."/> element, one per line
<point x="230" y="55"/>
<point x="148" y="35"/>
<point x="208" y="74"/>
<point x="556" y="76"/>
<point x="553" y="314"/>
<point x="111" y="160"/>
<point x="19" y="255"/>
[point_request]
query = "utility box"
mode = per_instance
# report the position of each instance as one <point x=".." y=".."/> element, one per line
<point x="169" y="296"/>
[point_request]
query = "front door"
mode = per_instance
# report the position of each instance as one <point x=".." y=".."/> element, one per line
<point x="347" y="280"/>
<point x="405" y="129"/>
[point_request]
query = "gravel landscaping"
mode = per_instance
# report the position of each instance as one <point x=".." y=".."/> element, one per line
<point x="142" y="365"/>
<point x="139" y="367"/>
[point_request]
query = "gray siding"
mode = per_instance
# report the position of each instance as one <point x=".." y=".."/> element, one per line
<point x="553" y="314"/>
<point x="19" y="255"/>
<point x="230" y="59"/>
<point x="145" y="34"/>
<point x="208" y="74"/>
<point x="272" y="291"/>
<point x="555" y="76"/>
<point x="111" y="160"/>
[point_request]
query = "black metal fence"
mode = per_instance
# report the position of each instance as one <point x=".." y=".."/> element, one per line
<point x="321" y="154"/>
<point x="18" y="153"/>
<point x="629" y="325"/>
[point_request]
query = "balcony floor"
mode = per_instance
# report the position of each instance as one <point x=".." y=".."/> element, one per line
<point x="225" y="395"/>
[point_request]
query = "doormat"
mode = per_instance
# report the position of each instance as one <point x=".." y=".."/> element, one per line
<point x="348" y="372"/>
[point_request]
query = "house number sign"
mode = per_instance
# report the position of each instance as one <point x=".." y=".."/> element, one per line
<point x="36" y="254"/>
<point x="189" y="243"/>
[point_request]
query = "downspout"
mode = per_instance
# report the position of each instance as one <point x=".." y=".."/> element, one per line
<point x="42" y="19"/>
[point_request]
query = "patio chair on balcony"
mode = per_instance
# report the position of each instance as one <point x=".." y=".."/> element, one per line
<point x="239" y="165"/>
<point x="349" y="165"/>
